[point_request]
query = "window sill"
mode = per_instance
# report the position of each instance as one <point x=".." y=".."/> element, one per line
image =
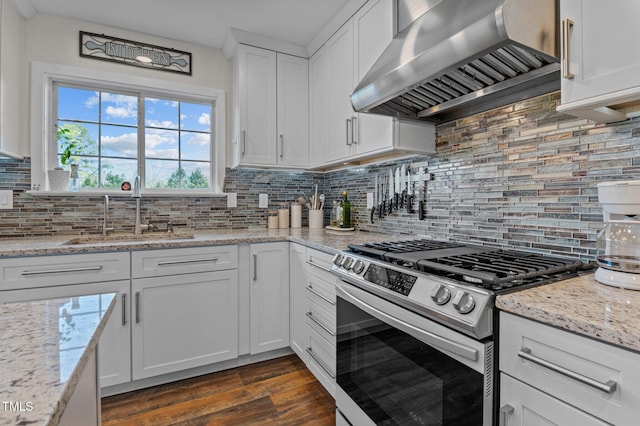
<point x="126" y="194"/>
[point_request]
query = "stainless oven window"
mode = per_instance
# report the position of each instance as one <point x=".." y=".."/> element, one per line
<point x="397" y="379"/>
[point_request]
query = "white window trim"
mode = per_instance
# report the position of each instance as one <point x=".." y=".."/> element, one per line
<point x="42" y="77"/>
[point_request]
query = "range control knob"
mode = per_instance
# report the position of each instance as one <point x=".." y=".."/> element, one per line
<point x="337" y="259"/>
<point x="358" y="267"/>
<point x="464" y="302"/>
<point x="347" y="262"/>
<point x="441" y="294"/>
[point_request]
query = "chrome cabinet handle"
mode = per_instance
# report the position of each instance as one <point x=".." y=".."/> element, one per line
<point x="505" y="412"/>
<point x="281" y="146"/>
<point x="348" y="123"/>
<point x="608" y="387"/>
<point x="255" y="267"/>
<point x="61" y="271"/>
<point x="324" y="268"/>
<point x="567" y="25"/>
<point x="322" y="326"/>
<point x="124" y="308"/>
<point x="243" y="135"/>
<point x="137" y="307"/>
<point x="329" y="301"/>
<point x="180" y="262"/>
<point x="320" y="363"/>
<point x="354" y="130"/>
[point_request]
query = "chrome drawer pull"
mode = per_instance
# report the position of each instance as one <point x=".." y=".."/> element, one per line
<point x="608" y="387"/>
<point x="567" y="25"/>
<point x="324" y="268"/>
<point x="320" y="363"/>
<point x="329" y="301"/>
<point x="322" y="326"/>
<point x="61" y="271"/>
<point x="137" y="307"/>
<point x="180" y="262"/>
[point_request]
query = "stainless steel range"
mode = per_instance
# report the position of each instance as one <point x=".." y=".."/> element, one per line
<point x="416" y="325"/>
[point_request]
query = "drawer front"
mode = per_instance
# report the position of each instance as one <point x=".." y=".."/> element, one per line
<point x="600" y="379"/>
<point x="321" y="360"/>
<point x="156" y="263"/>
<point x="321" y="292"/>
<point x="522" y="405"/>
<point x="46" y="271"/>
<point x="319" y="264"/>
<point x="322" y="321"/>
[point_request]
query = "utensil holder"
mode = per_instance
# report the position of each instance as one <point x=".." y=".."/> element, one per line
<point x="316" y="219"/>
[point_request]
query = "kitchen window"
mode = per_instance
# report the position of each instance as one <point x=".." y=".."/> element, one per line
<point x="171" y="135"/>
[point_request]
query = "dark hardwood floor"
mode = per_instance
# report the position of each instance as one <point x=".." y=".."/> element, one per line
<point x="276" y="392"/>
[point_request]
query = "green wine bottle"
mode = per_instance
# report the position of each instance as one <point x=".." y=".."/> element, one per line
<point x="345" y="218"/>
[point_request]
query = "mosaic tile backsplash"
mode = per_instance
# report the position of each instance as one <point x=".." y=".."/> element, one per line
<point x="520" y="176"/>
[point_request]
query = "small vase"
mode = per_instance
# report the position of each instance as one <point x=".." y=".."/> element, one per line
<point x="58" y="180"/>
<point x="74" y="179"/>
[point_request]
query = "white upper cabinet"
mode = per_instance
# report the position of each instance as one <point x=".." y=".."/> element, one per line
<point x="600" y="58"/>
<point x="338" y="133"/>
<point x="272" y="108"/>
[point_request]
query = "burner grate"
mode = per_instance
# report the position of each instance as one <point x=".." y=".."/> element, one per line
<point x="379" y="250"/>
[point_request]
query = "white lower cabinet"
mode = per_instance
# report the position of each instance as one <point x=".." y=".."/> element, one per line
<point x="269" y="294"/>
<point x="551" y="376"/>
<point x="299" y="335"/>
<point x="184" y="321"/>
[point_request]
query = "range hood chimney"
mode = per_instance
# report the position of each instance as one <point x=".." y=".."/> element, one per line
<point x="461" y="57"/>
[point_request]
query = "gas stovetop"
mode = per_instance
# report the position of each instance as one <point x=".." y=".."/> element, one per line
<point x="452" y="283"/>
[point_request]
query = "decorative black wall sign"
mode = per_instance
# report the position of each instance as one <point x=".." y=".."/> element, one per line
<point x="113" y="49"/>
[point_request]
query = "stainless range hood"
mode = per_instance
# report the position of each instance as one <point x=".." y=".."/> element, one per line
<point x="461" y="57"/>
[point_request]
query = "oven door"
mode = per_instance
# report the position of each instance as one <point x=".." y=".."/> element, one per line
<point x="395" y="367"/>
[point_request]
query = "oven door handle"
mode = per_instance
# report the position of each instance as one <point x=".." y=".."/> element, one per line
<point x="423" y="335"/>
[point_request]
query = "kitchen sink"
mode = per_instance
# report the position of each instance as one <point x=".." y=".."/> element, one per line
<point x="129" y="238"/>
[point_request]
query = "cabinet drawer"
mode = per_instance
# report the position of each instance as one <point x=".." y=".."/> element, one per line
<point x="319" y="264"/>
<point x="322" y="360"/>
<point x="46" y="271"/>
<point x="322" y="292"/>
<point x="322" y="321"/>
<point x="600" y="379"/>
<point x="522" y="405"/>
<point x="155" y="263"/>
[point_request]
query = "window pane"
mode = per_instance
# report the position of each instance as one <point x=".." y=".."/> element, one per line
<point x="197" y="174"/>
<point x="162" y="174"/>
<point x="88" y="172"/>
<point x="77" y="104"/>
<point x="120" y="109"/>
<point x="115" y="171"/>
<point x="161" y="113"/>
<point x="83" y="135"/>
<point x="195" y="117"/>
<point x="195" y="146"/>
<point x="161" y="144"/>
<point x="119" y="141"/>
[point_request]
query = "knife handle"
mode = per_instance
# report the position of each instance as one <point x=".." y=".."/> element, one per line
<point x="409" y="203"/>
<point x="420" y="210"/>
<point x="373" y="211"/>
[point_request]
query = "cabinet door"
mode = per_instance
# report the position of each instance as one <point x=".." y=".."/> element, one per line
<point x="184" y="321"/>
<point x="298" y="304"/>
<point x="339" y="88"/>
<point x="269" y="296"/>
<point x="603" y="53"/>
<point x="257" y="104"/>
<point x="114" y="347"/>
<point x="522" y="405"/>
<point x="318" y="108"/>
<point x="373" y="31"/>
<point x="293" y="110"/>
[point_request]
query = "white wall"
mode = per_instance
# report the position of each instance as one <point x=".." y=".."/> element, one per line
<point x="55" y="40"/>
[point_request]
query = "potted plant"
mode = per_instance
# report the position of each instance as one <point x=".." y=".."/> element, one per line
<point x="58" y="177"/>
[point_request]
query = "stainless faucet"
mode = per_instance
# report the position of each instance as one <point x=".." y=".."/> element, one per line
<point x="136" y="193"/>
<point x="105" y="228"/>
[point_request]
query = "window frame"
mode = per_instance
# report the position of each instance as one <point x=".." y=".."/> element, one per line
<point x="43" y="119"/>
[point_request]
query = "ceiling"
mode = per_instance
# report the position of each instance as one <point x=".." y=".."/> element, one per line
<point x="203" y="22"/>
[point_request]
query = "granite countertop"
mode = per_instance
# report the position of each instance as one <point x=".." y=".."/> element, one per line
<point x="584" y="306"/>
<point x="328" y="241"/>
<point x="44" y="348"/>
